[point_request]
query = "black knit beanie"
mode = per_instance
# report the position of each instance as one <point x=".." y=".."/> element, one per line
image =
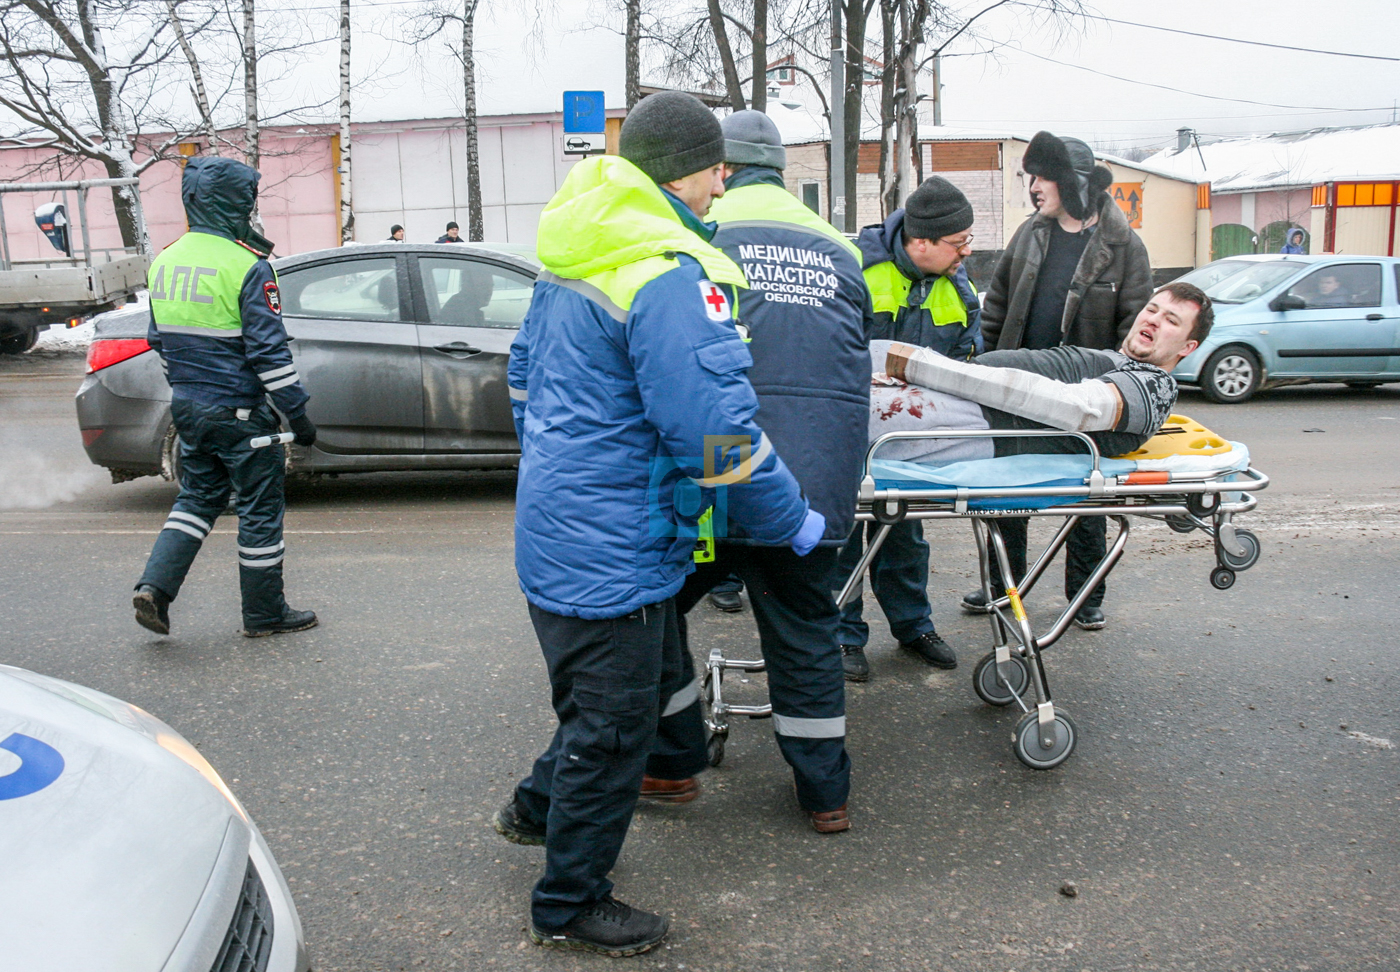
<point x="670" y="135"/>
<point x="936" y="209"/>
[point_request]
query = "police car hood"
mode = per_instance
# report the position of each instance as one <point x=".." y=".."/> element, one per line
<point x="608" y="214"/>
<point x="108" y="838"/>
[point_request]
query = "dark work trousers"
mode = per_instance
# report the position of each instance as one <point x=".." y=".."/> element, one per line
<point x="611" y="680"/>
<point x="215" y="458"/>
<point x="797" y="617"/>
<point x="899" y="578"/>
<point x="1084" y="548"/>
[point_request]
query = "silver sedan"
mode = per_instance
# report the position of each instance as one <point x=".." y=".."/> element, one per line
<point x="403" y="349"/>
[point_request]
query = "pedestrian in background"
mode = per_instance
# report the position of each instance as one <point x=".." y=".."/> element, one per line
<point x="628" y="383"/>
<point x="453" y="235"/>
<point x="216" y="322"/>
<point x="1295" y="242"/>
<point x="921" y="295"/>
<point x="395" y="234"/>
<point x="1075" y="274"/>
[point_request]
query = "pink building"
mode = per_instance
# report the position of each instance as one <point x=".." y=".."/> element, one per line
<point x="410" y="172"/>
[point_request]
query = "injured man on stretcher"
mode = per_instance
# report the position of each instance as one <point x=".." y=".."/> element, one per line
<point x="1120" y="398"/>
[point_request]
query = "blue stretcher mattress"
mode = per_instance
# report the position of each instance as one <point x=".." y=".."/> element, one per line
<point x="1008" y="472"/>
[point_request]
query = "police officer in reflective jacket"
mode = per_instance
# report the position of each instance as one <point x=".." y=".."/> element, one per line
<point x="216" y="322"/>
<point x="807" y="317"/>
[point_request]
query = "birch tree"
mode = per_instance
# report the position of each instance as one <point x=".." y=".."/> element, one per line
<point x="347" y="209"/>
<point x="197" y="88"/>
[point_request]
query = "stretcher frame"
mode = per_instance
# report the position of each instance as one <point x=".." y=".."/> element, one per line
<point x="1014" y="669"/>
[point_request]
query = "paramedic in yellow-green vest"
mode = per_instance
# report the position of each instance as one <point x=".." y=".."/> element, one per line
<point x="628" y="380"/>
<point x="216" y="322"/>
<point x="921" y="295"/>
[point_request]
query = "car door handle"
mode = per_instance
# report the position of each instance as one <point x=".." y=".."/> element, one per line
<point x="1374" y="317"/>
<point x="457" y="349"/>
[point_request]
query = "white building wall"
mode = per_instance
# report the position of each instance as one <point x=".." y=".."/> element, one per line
<point x="417" y="177"/>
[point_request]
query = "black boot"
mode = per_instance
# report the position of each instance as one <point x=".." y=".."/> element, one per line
<point x="975" y="602"/>
<point x="291" y="620"/>
<point x="933" y="650"/>
<point x="610" y="927"/>
<point x="152" y="609"/>
<point x="853" y="663"/>
<point x="512" y="824"/>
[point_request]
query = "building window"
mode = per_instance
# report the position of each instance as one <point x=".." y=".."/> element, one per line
<point x="811" y="196"/>
<point x="782" y="75"/>
<point x="1365" y="193"/>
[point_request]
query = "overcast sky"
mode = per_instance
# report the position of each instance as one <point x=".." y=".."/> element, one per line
<point x="1018" y="88"/>
<point x="529" y="51"/>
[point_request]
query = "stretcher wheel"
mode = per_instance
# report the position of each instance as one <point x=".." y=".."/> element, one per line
<point x="993" y="692"/>
<point x="714" y="749"/>
<point x="1251" y="552"/>
<point x="1202" y="504"/>
<point x="1180" y="524"/>
<point x="1222" y="578"/>
<point x="1028" y="746"/>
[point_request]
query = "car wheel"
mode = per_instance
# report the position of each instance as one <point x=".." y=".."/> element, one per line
<point x="1232" y="375"/>
<point x="18" y="343"/>
<point x="1364" y="385"/>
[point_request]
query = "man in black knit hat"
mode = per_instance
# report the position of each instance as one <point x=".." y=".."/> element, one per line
<point x="628" y="385"/>
<point x="1073" y="274"/>
<point x="921" y="295"/>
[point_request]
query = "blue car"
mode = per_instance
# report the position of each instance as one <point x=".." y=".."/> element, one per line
<point x="1284" y="319"/>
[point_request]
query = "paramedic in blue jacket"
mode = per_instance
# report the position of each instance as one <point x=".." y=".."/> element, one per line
<point x="921" y="295"/>
<point x="806" y="316"/>
<point x="216" y="322"/>
<point x="629" y="380"/>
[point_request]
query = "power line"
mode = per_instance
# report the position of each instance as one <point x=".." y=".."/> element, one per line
<point x="1240" y="40"/>
<point x="1194" y="94"/>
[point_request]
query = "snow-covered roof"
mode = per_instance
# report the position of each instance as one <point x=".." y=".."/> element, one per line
<point x="1288" y="158"/>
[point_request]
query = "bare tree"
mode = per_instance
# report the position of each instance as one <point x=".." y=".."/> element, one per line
<point x="347" y="208"/>
<point x="249" y="51"/>
<point x="758" y="40"/>
<point x="633" y="45"/>
<point x="201" y="94"/>
<point x="732" y="83"/>
<point x="435" y="20"/>
<point x="84" y="78"/>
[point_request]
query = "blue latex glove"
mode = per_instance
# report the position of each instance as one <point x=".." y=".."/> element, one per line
<point x="807" y="536"/>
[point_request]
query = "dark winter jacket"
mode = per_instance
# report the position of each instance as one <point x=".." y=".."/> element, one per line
<point x="216" y="315"/>
<point x="1112" y="283"/>
<point x="935" y="312"/>
<point x="807" y="316"/>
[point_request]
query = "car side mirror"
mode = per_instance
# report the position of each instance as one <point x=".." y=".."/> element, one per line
<point x="1287" y="302"/>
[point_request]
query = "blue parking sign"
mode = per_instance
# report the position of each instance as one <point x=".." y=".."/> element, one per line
<point x="583" y="111"/>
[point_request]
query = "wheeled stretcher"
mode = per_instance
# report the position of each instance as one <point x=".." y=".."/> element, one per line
<point x="1185" y="476"/>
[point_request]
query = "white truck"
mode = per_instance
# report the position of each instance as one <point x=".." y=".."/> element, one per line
<point x="72" y="284"/>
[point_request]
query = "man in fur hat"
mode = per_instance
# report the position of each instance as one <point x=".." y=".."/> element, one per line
<point x="1073" y="274"/>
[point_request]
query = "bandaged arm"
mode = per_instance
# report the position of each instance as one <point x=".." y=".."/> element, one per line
<point x="1086" y="406"/>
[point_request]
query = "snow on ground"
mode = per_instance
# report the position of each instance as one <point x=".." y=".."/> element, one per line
<point x="61" y="339"/>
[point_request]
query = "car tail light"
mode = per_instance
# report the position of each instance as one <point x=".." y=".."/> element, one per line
<point x="104" y="354"/>
<point x="91" y="435"/>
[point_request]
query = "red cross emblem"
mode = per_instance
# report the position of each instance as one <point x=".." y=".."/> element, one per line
<point x="716" y="304"/>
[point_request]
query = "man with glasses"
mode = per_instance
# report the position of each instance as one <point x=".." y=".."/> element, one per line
<point x="1074" y="274"/>
<point x="921" y="296"/>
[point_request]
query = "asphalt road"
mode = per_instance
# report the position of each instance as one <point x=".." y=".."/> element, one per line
<point x="1233" y="802"/>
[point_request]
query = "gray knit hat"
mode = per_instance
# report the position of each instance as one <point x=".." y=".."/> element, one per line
<point x="751" y="138"/>
<point x="936" y="209"/>
<point x="670" y="135"/>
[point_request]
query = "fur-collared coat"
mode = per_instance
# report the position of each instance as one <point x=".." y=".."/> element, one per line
<point x="1111" y="285"/>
